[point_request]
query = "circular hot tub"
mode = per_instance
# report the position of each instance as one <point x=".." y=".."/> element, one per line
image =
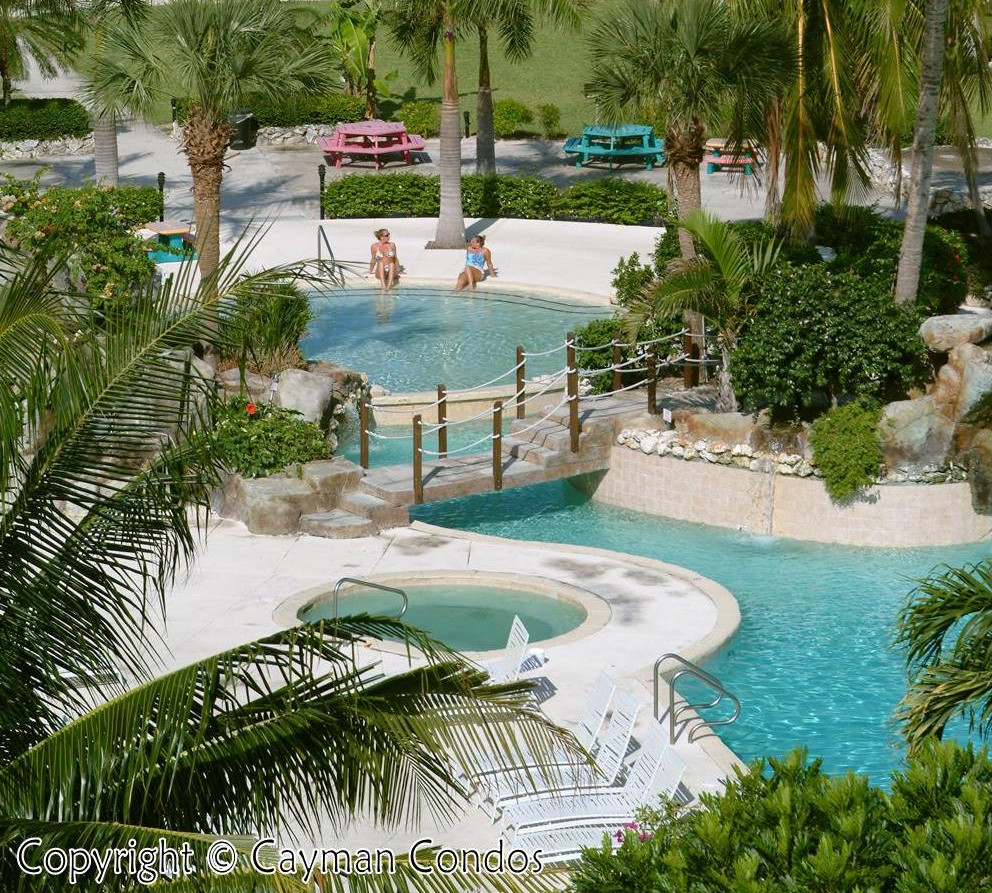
<point x="474" y="613"/>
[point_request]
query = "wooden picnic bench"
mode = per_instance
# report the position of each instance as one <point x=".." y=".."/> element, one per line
<point x="616" y="145"/>
<point x="370" y="139"/>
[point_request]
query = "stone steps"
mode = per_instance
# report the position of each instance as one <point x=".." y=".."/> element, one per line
<point x="337" y="524"/>
<point x="367" y="505"/>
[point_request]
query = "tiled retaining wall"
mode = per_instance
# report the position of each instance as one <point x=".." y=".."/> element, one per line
<point x="780" y="505"/>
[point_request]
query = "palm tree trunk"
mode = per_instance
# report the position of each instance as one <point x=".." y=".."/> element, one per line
<point x="105" y="150"/>
<point x="451" y="222"/>
<point x="726" y="400"/>
<point x="205" y="142"/>
<point x="371" y="96"/>
<point x="773" y="158"/>
<point x="911" y="252"/>
<point x="485" y="139"/>
<point x="690" y="199"/>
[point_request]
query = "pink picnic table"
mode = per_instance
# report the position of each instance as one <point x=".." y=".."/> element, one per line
<point x="374" y="139"/>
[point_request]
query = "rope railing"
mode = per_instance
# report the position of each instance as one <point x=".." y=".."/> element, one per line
<point x="569" y="375"/>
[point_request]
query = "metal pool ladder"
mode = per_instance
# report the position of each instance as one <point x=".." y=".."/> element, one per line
<point x="369" y="585"/>
<point x="688" y="668"/>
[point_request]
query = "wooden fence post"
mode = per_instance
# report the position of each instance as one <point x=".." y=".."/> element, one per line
<point x="617" y="375"/>
<point x="572" y="389"/>
<point x="363" y="427"/>
<point x="652" y="381"/>
<point x="498" y="445"/>
<point x="442" y="420"/>
<point x="521" y="378"/>
<point x="418" y="460"/>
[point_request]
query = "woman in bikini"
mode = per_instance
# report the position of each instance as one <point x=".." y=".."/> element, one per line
<point x="478" y="264"/>
<point x="383" y="259"/>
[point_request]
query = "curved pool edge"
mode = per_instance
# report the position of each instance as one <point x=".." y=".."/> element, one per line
<point x="727" y="608"/>
<point x="598" y="612"/>
<point x="564" y="295"/>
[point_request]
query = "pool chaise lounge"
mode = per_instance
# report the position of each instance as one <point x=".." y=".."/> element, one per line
<point x="560" y="828"/>
<point x="507" y="667"/>
<point x="657" y="772"/>
<point x="516" y="785"/>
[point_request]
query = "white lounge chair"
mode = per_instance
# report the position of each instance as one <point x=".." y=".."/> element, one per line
<point x="507" y="667"/>
<point x="586" y="732"/>
<point x="554" y="780"/>
<point x="656" y="772"/>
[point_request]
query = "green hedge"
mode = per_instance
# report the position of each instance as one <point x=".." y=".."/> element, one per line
<point x="613" y="200"/>
<point x="421" y="117"/>
<point x="529" y="198"/>
<point x="328" y="108"/>
<point x="845" y="446"/>
<point x="43" y="119"/>
<point x="509" y="116"/>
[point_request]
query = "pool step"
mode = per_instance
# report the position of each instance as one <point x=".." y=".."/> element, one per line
<point x="531" y="452"/>
<point x="366" y="505"/>
<point x="337" y="524"/>
<point x="555" y="437"/>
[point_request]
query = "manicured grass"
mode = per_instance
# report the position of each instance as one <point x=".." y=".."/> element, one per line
<point x="556" y="73"/>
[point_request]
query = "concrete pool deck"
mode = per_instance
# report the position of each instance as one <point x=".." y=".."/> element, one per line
<point x="239" y="589"/>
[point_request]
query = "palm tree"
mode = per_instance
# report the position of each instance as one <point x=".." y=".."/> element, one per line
<point x="218" y="53"/>
<point x="946" y="630"/>
<point x="352" y="40"/>
<point x="817" y="104"/>
<point x="419" y="27"/>
<point x="931" y="68"/>
<point x="716" y="283"/>
<point x="47" y="31"/>
<point x="513" y="21"/>
<point x="687" y="61"/>
<point x="104" y="446"/>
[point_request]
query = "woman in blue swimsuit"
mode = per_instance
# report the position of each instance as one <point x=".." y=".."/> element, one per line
<point x="384" y="260"/>
<point x="478" y="264"/>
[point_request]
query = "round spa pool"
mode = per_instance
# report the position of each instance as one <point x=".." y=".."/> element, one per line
<point x="466" y="617"/>
<point x="414" y="337"/>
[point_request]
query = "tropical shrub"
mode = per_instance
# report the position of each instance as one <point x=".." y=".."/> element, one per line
<point x="509" y="116"/>
<point x="631" y="278"/>
<point x="593" y="342"/>
<point x="549" y="117"/>
<point x="817" y="336"/>
<point x="420" y="117"/>
<point x="389" y="195"/>
<point x="666" y="248"/>
<point x="93" y="227"/>
<point x="758" y="232"/>
<point x="528" y="198"/>
<point x="845" y="446"/>
<point x="262" y="329"/>
<point x="613" y="200"/>
<point x="258" y="439"/>
<point x="869" y="245"/>
<point x="783" y="824"/>
<point x="292" y="111"/>
<point x="43" y="119"/>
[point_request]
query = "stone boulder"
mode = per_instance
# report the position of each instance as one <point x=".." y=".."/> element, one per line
<point x="944" y="333"/>
<point x="272" y="505"/>
<point x="914" y="432"/>
<point x="729" y="427"/>
<point x="978" y="460"/>
<point x="308" y="393"/>
<point x="975" y="367"/>
<point x="345" y="380"/>
<point x="258" y="386"/>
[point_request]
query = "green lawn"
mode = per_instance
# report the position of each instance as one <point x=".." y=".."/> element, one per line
<point x="556" y="73"/>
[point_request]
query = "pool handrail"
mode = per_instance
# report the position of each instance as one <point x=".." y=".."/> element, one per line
<point x="355" y="581"/>
<point x="688" y="668"/>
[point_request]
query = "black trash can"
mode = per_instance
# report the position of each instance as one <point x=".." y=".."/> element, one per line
<point x="245" y="126"/>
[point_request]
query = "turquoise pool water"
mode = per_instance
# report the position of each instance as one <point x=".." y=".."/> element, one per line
<point x="395" y="444"/>
<point x="466" y="617"/>
<point x="812" y="661"/>
<point x="412" y="338"/>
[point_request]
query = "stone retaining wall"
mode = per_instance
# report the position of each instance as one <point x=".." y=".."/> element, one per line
<point x="47" y="148"/>
<point x="799" y="508"/>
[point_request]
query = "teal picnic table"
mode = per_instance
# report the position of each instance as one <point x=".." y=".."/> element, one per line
<point x="617" y="144"/>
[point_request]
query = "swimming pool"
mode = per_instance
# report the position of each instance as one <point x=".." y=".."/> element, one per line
<point x="467" y="617"/>
<point x="812" y="662"/>
<point x="412" y="338"/>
